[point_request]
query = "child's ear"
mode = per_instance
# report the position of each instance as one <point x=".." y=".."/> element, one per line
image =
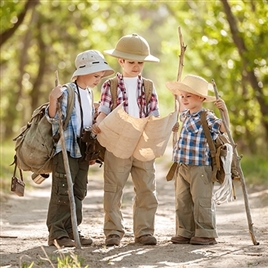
<point x="121" y="61"/>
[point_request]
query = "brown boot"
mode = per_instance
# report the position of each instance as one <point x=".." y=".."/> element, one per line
<point x="112" y="240"/>
<point x="84" y="241"/>
<point x="180" y="240"/>
<point x="203" y="241"/>
<point x="61" y="242"/>
<point x="146" y="240"/>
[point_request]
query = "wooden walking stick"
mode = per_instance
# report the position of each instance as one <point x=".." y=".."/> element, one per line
<point x="173" y="168"/>
<point x="68" y="175"/>
<point x="237" y="162"/>
<point x="181" y="56"/>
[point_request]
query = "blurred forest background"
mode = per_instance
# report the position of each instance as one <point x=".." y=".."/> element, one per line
<point x="227" y="40"/>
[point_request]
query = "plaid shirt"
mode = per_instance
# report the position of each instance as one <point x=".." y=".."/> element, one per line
<point x="70" y="136"/>
<point x="192" y="147"/>
<point x="106" y="102"/>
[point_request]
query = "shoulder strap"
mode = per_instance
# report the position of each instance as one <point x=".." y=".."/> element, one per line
<point x="207" y="134"/>
<point x="148" y="86"/>
<point x="70" y="104"/>
<point x="113" y="89"/>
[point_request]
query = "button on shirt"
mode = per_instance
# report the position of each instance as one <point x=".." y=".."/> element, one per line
<point x="192" y="147"/>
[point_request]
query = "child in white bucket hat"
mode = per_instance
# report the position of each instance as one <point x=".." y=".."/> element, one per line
<point x="91" y="67"/>
<point x="195" y="214"/>
<point x="131" y="51"/>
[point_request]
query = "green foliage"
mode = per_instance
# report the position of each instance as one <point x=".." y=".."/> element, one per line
<point x="26" y="265"/>
<point x="6" y="171"/>
<point x="54" y="32"/>
<point x="72" y="261"/>
<point x="255" y="169"/>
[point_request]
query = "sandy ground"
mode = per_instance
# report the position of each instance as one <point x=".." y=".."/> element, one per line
<point x="24" y="232"/>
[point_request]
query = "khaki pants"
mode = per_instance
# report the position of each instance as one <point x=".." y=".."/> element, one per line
<point x="195" y="212"/>
<point x="116" y="173"/>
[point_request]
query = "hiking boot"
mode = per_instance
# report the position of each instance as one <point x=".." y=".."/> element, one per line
<point x="180" y="240"/>
<point x="84" y="241"/>
<point x="62" y="242"/>
<point x="112" y="240"/>
<point x="146" y="240"/>
<point x="203" y="241"/>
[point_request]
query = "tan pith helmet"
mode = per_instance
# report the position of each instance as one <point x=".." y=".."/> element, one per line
<point x="132" y="47"/>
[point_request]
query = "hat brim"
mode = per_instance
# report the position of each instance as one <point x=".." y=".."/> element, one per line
<point x="177" y="87"/>
<point x="122" y="55"/>
<point x="93" y="69"/>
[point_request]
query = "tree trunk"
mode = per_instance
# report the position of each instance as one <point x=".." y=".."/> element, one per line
<point x="247" y="68"/>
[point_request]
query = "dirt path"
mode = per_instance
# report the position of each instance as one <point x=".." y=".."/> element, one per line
<point x="24" y="219"/>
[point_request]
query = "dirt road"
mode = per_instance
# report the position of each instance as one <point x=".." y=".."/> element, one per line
<point x="24" y="233"/>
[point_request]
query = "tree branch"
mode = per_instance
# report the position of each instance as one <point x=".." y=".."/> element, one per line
<point x="8" y="33"/>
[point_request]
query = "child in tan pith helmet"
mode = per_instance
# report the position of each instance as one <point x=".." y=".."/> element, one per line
<point x="132" y="51"/>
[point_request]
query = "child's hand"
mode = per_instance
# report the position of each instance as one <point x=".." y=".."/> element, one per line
<point x="95" y="129"/>
<point x="56" y="93"/>
<point x="220" y="104"/>
<point x="176" y="127"/>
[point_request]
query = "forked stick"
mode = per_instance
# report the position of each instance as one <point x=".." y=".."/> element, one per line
<point x="68" y="175"/>
<point x="237" y="160"/>
<point x="181" y="56"/>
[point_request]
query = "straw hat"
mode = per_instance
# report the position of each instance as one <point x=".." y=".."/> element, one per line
<point x="132" y="47"/>
<point x="192" y="84"/>
<point x="91" y="61"/>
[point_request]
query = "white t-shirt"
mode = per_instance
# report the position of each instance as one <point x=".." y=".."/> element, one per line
<point x="86" y="102"/>
<point x="131" y="85"/>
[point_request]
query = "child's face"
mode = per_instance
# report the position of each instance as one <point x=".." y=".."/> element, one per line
<point x="191" y="101"/>
<point x="91" y="80"/>
<point x="131" y="68"/>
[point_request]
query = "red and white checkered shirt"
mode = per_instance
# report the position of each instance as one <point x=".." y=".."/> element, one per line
<point x="106" y="102"/>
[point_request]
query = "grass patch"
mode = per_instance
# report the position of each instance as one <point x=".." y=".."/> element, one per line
<point x="7" y="151"/>
<point x="255" y="168"/>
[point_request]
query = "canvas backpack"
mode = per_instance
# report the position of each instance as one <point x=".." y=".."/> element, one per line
<point x="148" y="86"/>
<point x="218" y="148"/>
<point x="35" y="145"/>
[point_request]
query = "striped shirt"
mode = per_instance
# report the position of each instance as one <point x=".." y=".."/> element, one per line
<point x="106" y="102"/>
<point x="192" y="147"/>
<point x="70" y="135"/>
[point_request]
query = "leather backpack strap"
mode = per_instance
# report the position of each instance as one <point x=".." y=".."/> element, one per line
<point x="148" y="86"/>
<point x="70" y="104"/>
<point x="113" y="89"/>
<point x="207" y="134"/>
<point x="212" y="146"/>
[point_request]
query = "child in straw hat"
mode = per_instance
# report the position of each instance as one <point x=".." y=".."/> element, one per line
<point x="195" y="214"/>
<point x="132" y="51"/>
<point x="91" y="67"/>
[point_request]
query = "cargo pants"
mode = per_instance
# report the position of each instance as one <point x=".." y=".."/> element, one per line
<point x="116" y="173"/>
<point x="195" y="210"/>
<point x="59" y="214"/>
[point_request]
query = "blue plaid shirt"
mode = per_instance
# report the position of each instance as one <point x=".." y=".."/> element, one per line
<point x="192" y="147"/>
<point x="70" y="136"/>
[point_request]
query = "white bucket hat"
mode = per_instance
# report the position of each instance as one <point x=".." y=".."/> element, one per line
<point x="192" y="84"/>
<point x="91" y="61"/>
<point x="132" y="47"/>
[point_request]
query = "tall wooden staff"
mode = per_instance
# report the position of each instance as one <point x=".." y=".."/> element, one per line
<point x="181" y="56"/>
<point x="237" y="160"/>
<point x="68" y="175"/>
